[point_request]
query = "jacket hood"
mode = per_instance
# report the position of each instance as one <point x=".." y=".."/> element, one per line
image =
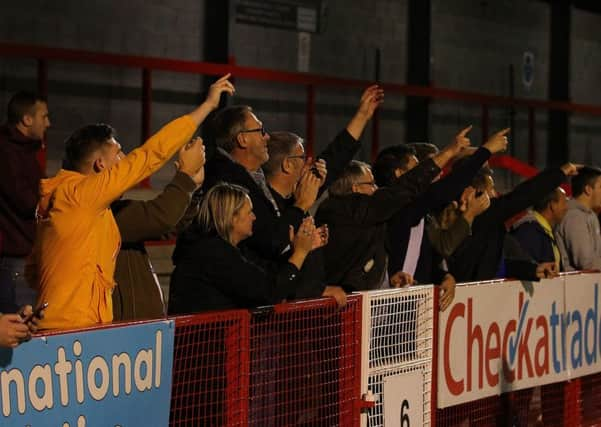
<point x="49" y="185"/>
<point x="529" y="217"/>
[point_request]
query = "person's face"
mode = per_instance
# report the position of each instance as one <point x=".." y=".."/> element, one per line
<point x="489" y="187"/>
<point x="366" y="184"/>
<point x="38" y="121"/>
<point x="596" y="194"/>
<point x="255" y="138"/>
<point x="242" y="223"/>
<point x="559" y="207"/>
<point x="296" y="162"/>
<point x="110" y="154"/>
<point x="412" y="162"/>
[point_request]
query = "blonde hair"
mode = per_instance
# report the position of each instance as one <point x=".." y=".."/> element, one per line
<point x="219" y="206"/>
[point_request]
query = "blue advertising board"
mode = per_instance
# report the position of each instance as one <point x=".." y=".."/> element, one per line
<point x="119" y="376"/>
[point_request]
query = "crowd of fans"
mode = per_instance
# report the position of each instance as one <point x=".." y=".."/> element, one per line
<point x="246" y="235"/>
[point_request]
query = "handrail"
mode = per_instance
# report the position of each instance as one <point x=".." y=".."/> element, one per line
<point x="255" y="73"/>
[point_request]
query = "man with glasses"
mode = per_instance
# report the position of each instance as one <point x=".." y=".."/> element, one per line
<point x="241" y="141"/>
<point x="356" y="213"/>
<point x="289" y="172"/>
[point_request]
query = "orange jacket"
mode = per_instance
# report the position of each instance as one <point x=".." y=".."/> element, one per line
<point x="77" y="240"/>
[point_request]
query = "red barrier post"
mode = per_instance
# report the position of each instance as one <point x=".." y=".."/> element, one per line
<point x="310" y="121"/>
<point x="531" y="136"/>
<point x="146" y="112"/>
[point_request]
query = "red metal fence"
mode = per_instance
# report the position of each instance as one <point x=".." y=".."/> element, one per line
<point x="291" y="364"/>
<point x="311" y="82"/>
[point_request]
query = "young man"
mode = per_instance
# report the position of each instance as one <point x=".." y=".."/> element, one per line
<point x="20" y="173"/>
<point x="78" y="239"/>
<point x="578" y="235"/>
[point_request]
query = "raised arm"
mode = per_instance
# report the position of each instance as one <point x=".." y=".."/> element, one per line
<point x="98" y="191"/>
<point x="528" y="192"/>
<point x="144" y="220"/>
<point x="345" y="145"/>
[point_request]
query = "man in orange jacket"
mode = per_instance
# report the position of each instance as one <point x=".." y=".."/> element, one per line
<point x="78" y="240"/>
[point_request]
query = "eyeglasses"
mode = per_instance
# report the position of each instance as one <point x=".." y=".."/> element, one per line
<point x="298" y="156"/>
<point x="261" y="129"/>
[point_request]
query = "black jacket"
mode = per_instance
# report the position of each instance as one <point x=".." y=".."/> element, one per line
<point x="438" y="195"/>
<point x="270" y="232"/>
<point x="211" y="274"/>
<point x="20" y="175"/>
<point x="479" y="256"/>
<point x="355" y="257"/>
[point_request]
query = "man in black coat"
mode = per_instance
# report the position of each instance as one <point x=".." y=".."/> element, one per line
<point x="241" y="152"/>
<point x="480" y="256"/>
<point x="408" y="225"/>
<point x="356" y="213"/>
<point x="288" y="168"/>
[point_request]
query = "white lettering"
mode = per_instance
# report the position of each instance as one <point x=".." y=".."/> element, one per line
<point x="143" y="357"/>
<point x="121" y="360"/>
<point x="62" y="368"/>
<point x="46" y="401"/>
<point x="98" y="364"/>
<point x="158" y="348"/>
<point x="6" y="377"/>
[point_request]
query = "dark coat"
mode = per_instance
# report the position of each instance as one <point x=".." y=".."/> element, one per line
<point x="138" y="295"/>
<point x="211" y="274"/>
<point x="270" y="231"/>
<point x="438" y="195"/>
<point x="20" y="175"/>
<point x="355" y="257"/>
<point x="337" y="155"/>
<point x="479" y="256"/>
<point x="533" y="238"/>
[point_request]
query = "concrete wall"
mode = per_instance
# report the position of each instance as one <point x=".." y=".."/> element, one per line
<point x="473" y="44"/>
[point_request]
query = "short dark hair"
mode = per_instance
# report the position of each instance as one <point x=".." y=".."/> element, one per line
<point x="542" y="204"/>
<point x="227" y="124"/>
<point x="390" y="159"/>
<point x="479" y="180"/>
<point x="280" y="145"/>
<point x="83" y="142"/>
<point x="424" y="150"/>
<point x="20" y="104"/>
<point x="586" y="176"/>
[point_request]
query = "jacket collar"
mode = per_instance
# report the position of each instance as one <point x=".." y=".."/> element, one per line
<point x="16" y="137"/>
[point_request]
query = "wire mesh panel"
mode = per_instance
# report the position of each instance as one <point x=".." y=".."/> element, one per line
<point x="210" y="370"/>
<point x="590" y="402"/>
<point x="533" y="406"/>
<point x="398" y="339"/>
<point x="305" y="365"/>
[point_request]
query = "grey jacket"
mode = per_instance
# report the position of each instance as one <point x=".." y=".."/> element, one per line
<point x="579" y="239"/>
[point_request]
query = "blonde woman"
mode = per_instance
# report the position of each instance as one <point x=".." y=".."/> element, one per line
<point x="211" y="273"/>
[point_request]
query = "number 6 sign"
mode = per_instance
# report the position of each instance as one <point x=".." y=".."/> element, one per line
<point x="404" y="400"/>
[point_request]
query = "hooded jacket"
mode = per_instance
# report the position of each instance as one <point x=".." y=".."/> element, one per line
<point x="78" y="240"/>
